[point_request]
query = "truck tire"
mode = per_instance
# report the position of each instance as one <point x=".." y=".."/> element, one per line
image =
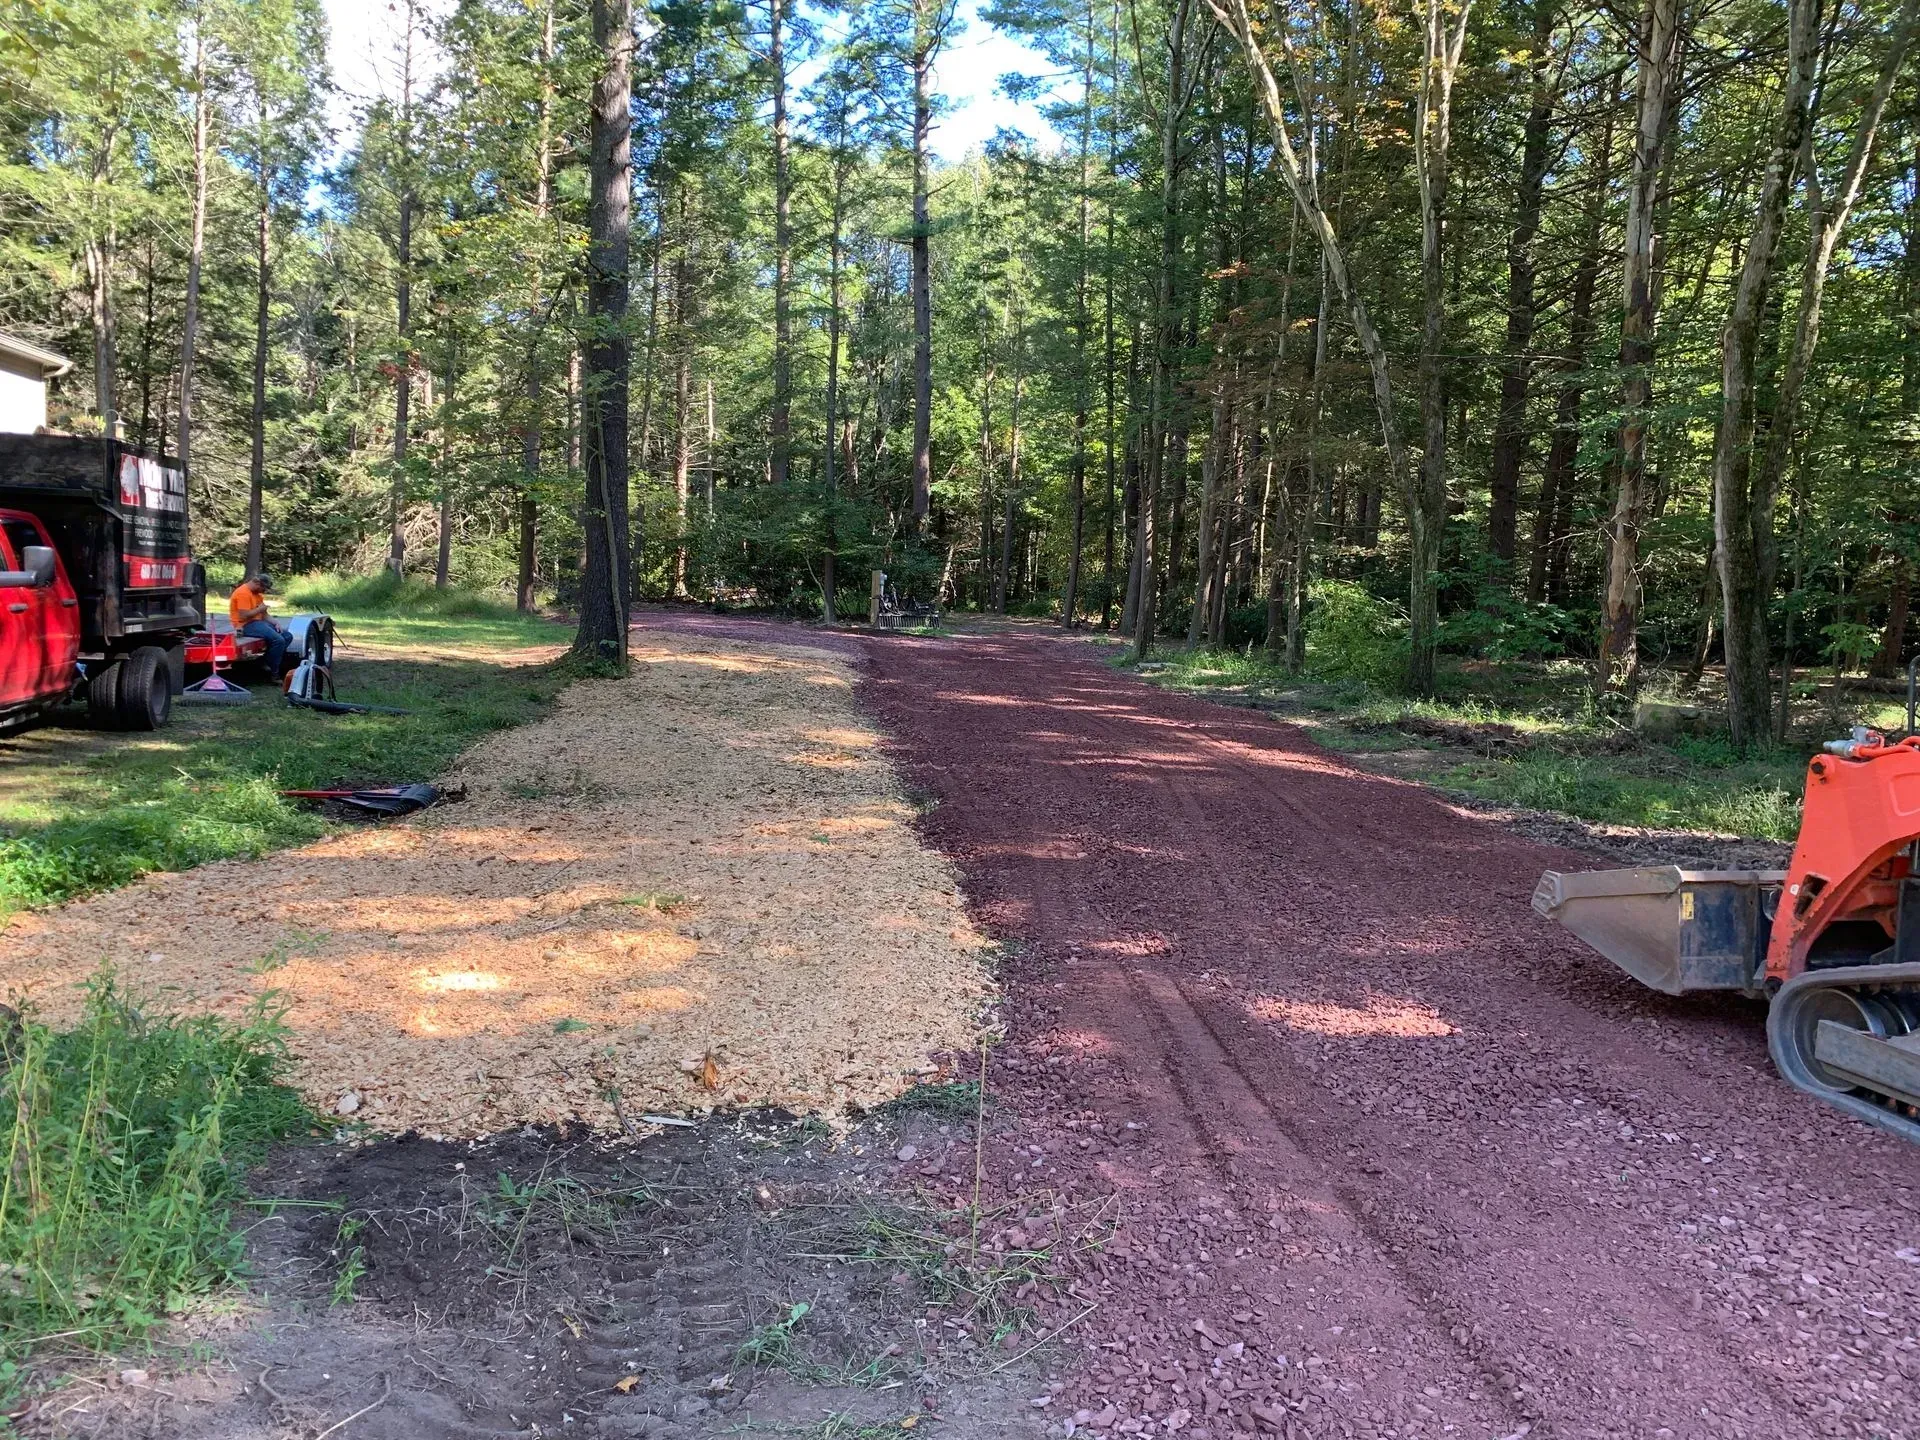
<point x="176" y="654"/>
<point x="103" y="695"/>
<point x="146" y="690"/>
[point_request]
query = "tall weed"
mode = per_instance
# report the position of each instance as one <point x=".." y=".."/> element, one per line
<point x="128" y="1138"/>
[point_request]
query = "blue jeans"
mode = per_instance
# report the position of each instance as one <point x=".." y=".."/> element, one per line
<point x="277" y="642"/>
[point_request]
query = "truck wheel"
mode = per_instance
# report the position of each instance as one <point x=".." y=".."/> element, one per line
<point x="103" y="695"/>
<point x="146" y="690"/>
<point x="176" y="654"/>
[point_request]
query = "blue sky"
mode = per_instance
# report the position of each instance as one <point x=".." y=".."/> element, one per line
<point x="361" y="53"/>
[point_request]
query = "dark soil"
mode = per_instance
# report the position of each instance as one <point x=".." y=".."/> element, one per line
<point x="541" y="1284"/>
<point x="1386" y="1153"/>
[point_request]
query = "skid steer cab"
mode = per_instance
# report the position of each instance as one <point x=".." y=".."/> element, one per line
<point x="98" y="589"/>
<point x="1832" y="942"/>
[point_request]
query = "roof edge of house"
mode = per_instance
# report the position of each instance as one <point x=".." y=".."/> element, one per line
<point x="54" y="363"/>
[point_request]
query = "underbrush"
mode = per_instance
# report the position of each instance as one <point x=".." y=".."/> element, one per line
<point x="82" y="811"/>
<point x="128" y="1139"/>
<point x="1521" y="734"/>
<point x="1759" y="799"/>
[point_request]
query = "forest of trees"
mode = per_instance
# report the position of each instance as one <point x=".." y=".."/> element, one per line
<point x="1554" y="328"/>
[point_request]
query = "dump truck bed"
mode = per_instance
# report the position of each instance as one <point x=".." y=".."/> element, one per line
<point x="118" y="517"/>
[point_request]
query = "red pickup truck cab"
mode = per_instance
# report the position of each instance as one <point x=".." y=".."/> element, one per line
<point x="39" y="619"/>
<point x="98" y="587"/>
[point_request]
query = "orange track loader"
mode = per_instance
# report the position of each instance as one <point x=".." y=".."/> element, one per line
<point x="1833" y="941"/>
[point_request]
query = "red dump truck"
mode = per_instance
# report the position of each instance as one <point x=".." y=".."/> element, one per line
<point x="99" y="591"/>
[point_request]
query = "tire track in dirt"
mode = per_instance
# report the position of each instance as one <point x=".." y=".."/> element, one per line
<point x="1425" y="1286"/>
<point x="1603" y="1287"/>
<point x="1193" y="1046"/>
<point x="1601" y="1197"/>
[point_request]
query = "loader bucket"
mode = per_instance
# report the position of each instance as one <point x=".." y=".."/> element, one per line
<point x="1673" y="930"/>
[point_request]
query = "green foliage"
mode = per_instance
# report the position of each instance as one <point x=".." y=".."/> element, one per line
<point x="1501" y="626"/>
<point x="1352" y="634"/>
<point x="129" y="1137"/>
<point x="1752" y="800"/>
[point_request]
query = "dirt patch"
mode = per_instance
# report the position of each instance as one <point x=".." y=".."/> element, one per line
<point x="691" y="888"/>
<point x="1388" y="1154"/>
<point x="748" y="1275"/>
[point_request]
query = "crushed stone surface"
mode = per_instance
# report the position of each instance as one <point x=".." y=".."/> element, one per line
<point x="1385" y="1153"/>
<point x="691" y="888"/>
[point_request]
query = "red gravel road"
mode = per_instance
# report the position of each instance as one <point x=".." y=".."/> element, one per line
<point x="1388" y="1155"/>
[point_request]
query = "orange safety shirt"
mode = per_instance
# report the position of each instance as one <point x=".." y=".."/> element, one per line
<point x="245" y="597"/>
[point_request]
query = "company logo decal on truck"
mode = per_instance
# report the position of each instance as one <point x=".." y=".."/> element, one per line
<point x="153" y="501"/>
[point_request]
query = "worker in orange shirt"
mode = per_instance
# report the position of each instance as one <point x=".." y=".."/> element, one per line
<point x="247" y="609"/>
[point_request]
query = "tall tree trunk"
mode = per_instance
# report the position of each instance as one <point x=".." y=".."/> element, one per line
<point x="1110" y="459"/>
<point x="1275" y="551"/>
<point x="443" y="557"/>
<point x="602" y="635"/>
<point x="1893" y="640"/>
<point x="146" y="347"/>
<point x="99" y="254"/>
<point x="196" y="242"/>
<point x="1547" y="560"/>
<point x="1003" y="580"/>
<point x="1166" y="325"/>
<point x="1213" y="458"/>
<point x="1077" y="466"/>
<point x="531" y="430"/>
<point x="257" y="417"/>
<point x="1743" y="517"/>
<point x="1138" y="427"/>
<point x="403" y="303"/>
<point x="829" y="470"/>
<point x="1510" y="429"/>
<point x="1236" y="17"/>
<point x="781" y="422"/>
<point x="1301" y="573"/>
<point x="1427" y="515"/>
<point x="1617" y="666"/>
<point x="1827" y="218"/>
<point x="984" y="599"/>
<point x="926" y="42"/>
<point x="712" y="453"/>
<point x="682" y="419"/>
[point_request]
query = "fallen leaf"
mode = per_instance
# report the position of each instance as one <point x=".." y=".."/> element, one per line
<point x="625" y="1384"/>
<point x="710" y="1074"/>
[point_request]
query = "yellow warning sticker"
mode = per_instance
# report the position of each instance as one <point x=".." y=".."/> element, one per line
<point x="1686" y="904"/>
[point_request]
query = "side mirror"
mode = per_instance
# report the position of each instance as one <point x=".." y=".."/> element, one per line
<point x="39" y="562"/>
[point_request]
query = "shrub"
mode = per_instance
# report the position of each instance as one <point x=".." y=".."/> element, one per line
<point x="128" y="1140"/>
<point x="1247" y="625"/>
<point x="1352" y="634"/>
<point x="1501" y="627"/>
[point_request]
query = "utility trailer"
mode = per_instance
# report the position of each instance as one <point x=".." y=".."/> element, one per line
<point x="108" y="612"/>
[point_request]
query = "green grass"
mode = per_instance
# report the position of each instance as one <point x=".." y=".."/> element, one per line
<point x="83" y="811"/>
<point x="1564" y="757"/>
<point x="1758" y="799"/>
<point x="128" y="1140"/>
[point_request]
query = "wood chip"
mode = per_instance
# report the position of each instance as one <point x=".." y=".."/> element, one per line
<point x="731" y="856"/>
